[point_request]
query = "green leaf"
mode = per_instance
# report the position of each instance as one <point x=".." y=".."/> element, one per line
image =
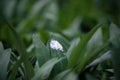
<point x="79" y="51"/>
<point x="95" y="42"/>
<point x="72" y="46"/>
<point x="66" y="75"/>
<point x="1" y="48"/>
<point x="45" y="70"/>
<point x="95" y="48"/>
<point x="114" y="35"/>
<point x="57" y="46"/>
<point x="42" y="52"/>
<point x="23" y="54"/>
<point x="102" y="58"/>
<point x="4" y="60"/>
<point x="61" y="75"/>
<point x="71" y="76"/>
<point x="115" y="40"/>
<point x="59" y="67"/>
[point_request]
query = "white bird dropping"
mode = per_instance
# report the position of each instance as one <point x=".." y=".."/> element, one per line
<point x="54" y="44"/>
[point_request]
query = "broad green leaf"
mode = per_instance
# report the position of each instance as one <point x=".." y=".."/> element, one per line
<point x="95" y="42"/>
<point x="86" y="61"/>
<point x="72" y="46"/>
<point x="59" y="67"/>
<point x="114" y="35"/>
<point x="79" y="51"/>
<point x="66" y="75"/>
<point x="61" y="75"/>
<point x="57" y="50"/>
<point x="102" y="58"/>
<point x="42" y="52"/>
<point x="95" y="48"/>
<point x="115" y="40"/>
<point x="45" y="70"/>
<point x="71" y="76"/>
<point x="4" y="60"/>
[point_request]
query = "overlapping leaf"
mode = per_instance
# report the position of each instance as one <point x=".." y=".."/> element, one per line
<point x="4" y="61"/>
<point x="115" y="40"/>
<point x="45" y="70"/>
<point x="87" y="50"/>
<point x="42" y="52"/>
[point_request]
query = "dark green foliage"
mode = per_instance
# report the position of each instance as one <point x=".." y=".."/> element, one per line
<point x="4" y="61"/>
<point x="115" y="47"/>
<point x="59" y="39"/>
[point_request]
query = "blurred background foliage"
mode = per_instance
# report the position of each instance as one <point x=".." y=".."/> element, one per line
<point x="88" y="31"/>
